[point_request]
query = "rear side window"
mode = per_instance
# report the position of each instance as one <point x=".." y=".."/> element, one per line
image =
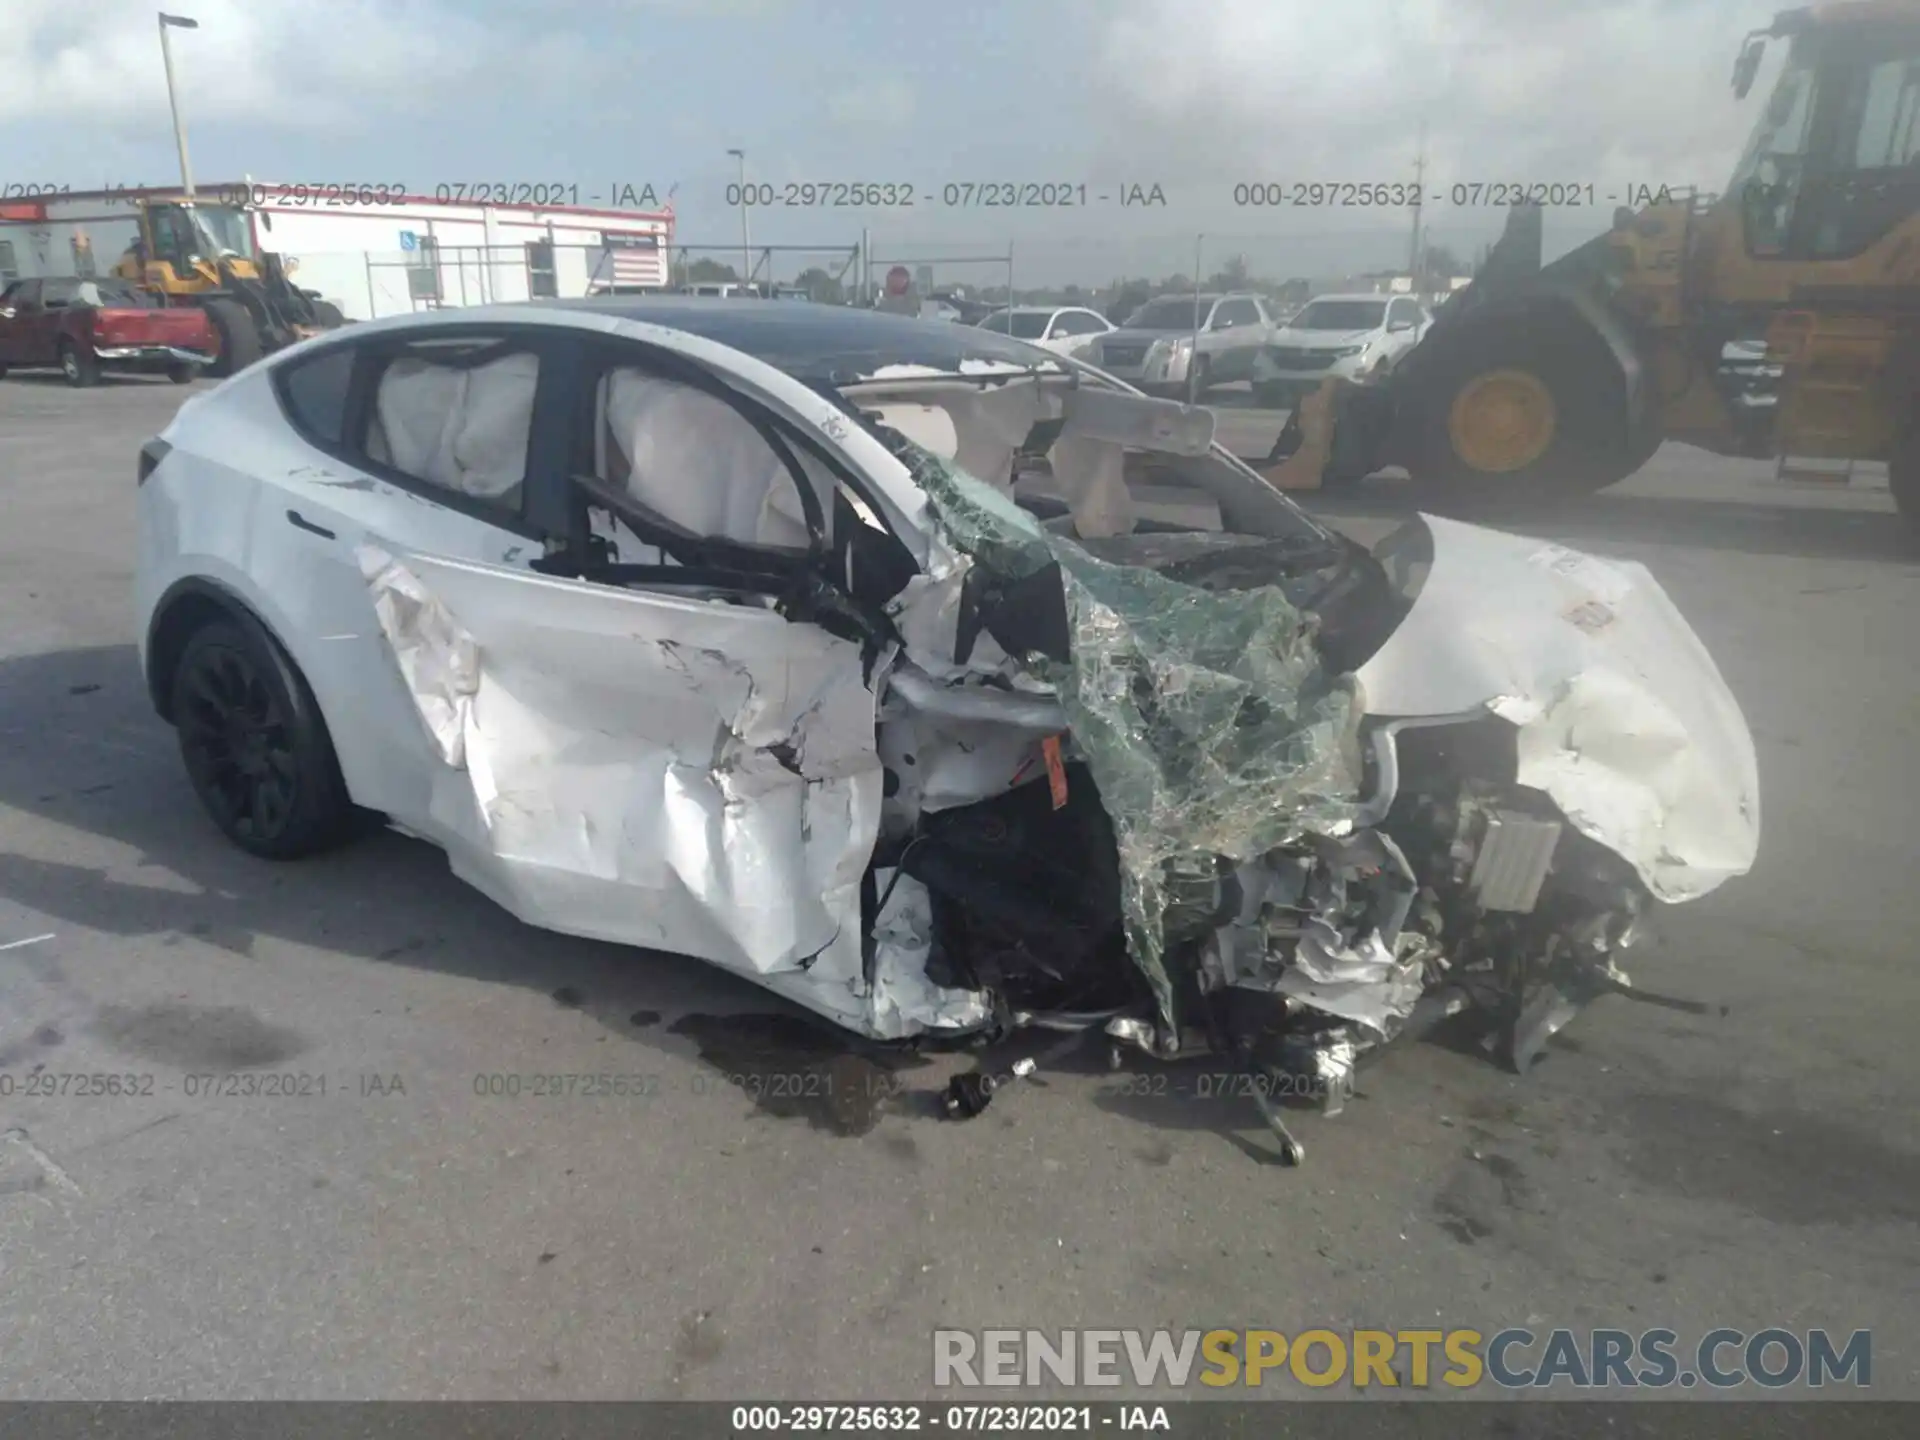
<point x="455" y="415"/>
<point x="314" y="394"/>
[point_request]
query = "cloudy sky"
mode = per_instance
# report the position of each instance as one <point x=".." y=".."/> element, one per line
<point x="1194" y="96"/>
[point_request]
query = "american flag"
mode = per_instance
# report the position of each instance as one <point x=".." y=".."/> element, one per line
<point x="628" y="258"/>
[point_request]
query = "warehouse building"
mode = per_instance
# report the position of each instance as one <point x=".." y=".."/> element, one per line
<point x="371" y="250"/>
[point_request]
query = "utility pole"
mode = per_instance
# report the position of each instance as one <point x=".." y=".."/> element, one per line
<point x="1420" y="197"/>
<point x="173" y="95"/>
<point x="1193" y="355"/>
<point x="746" y="241"/>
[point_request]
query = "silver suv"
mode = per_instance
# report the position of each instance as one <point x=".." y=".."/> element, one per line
<point x="1215" y="337"/>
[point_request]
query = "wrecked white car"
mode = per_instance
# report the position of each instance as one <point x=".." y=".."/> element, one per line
<point x="937" y="686"/>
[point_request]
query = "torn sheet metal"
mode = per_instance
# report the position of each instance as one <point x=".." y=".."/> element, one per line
<point x="904" y="1001"/>
<point x="949" y="745"/>
<point x="1206" y="720"/>
<point x="1624" y="719"/>
<point x="645" y="769"/>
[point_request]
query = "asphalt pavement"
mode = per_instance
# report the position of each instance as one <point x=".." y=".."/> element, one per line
<point x="387" y="1225"/>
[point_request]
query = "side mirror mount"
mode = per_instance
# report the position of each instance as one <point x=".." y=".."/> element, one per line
<point x="1748" y="65"/>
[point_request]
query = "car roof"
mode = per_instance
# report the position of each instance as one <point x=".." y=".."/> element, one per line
<point x="1361" y="295"/>
<point x="831" y="344"/>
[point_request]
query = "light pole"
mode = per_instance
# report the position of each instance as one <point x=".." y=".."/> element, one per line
<point x="746" y="240"/>
<point x="173" y="93"/>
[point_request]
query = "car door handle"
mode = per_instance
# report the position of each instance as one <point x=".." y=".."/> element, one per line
<point x="300" y="522"/>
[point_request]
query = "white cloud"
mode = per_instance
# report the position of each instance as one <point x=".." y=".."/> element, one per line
<point x="874" y="105"/>
<point x="330" y="65"/>
<point x="1608" y="91"/>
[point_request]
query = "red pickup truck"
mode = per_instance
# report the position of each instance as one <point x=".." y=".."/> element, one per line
<point x="85" y="327"/>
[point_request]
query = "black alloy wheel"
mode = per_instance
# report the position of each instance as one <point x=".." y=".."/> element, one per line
<point x="256" y="750"/>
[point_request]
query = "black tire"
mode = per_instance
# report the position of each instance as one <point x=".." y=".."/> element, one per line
<point x="255" y="746"/>
<point x="1903" y="476"/>
<point x="81" y="366"/>
<point x="1588" y="446"/>
<point x="239" y="338"/>
<point x="328" y="314"/>
<point x="3" y="372"/>
<point x="181" y="374"/>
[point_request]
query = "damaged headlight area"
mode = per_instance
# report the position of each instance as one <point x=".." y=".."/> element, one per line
<point x="1294" y="885"/>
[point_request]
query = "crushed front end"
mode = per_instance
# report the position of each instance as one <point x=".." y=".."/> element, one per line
<point x="1297" y="872"/>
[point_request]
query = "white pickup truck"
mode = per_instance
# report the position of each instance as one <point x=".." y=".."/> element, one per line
<point x="1214" y="336"/>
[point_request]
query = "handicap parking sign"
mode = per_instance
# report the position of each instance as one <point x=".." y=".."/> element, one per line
<point x="409" y="240"/>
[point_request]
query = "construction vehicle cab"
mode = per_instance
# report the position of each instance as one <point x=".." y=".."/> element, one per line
<point x="193" y="253"/>
<point x="1539" y="379"/>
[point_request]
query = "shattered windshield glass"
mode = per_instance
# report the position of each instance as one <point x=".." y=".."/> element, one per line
<point x="1206" y="719"/>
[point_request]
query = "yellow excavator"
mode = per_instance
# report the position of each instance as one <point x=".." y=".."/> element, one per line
<point x="1548" y="379"/>
<point x="192" y="253"/>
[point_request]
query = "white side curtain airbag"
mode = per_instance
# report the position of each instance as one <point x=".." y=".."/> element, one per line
<point x="696" y="461"/>
<point x="464" y="429"/>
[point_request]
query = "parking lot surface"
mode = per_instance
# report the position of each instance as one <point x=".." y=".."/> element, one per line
<point x="395" y="1221"/>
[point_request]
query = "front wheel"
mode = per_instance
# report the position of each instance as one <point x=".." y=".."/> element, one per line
<point x="328" y="315"/>
<point x="1520" y="410"/>
<point x="237" y="336"/>
<point x="255" y="746"/>
<point x="181" y="374"/>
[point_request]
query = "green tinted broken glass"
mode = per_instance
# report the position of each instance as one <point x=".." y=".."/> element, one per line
<point x="1206" y="718"/>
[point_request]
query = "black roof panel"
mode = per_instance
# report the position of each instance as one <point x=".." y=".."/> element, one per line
<point x="832" y="343"/>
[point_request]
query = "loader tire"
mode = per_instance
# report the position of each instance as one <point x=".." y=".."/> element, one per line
<point x="238" y="336"/>
<point x="328" y="315"/>
<point x="1519" y="412"/>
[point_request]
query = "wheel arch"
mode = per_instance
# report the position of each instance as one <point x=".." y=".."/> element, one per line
<point x="184" y="607"/>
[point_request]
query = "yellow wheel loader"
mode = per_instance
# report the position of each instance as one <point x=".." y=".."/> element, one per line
<point x="1538" y="380"/>
<point x="192" y="253"/>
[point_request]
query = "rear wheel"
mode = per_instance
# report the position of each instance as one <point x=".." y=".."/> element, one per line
<point x="328" y="314"/>
<point x="255" y="746"/>
<point x="81" y="366"/>
<point x="236" y="337"/>
<point x="180" y="374"/>
<point x="1527" y="408"/>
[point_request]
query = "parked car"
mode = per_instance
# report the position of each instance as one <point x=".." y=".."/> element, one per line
<point x="1157" y="344"/>
<point x="719" y="629"/>
<point x="1065" y="330"/>
<point x="1355" y="337"/>
<point x="86" y="328"/>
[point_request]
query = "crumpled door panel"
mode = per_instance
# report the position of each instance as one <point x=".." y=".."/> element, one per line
<point x="640" y="768"/>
